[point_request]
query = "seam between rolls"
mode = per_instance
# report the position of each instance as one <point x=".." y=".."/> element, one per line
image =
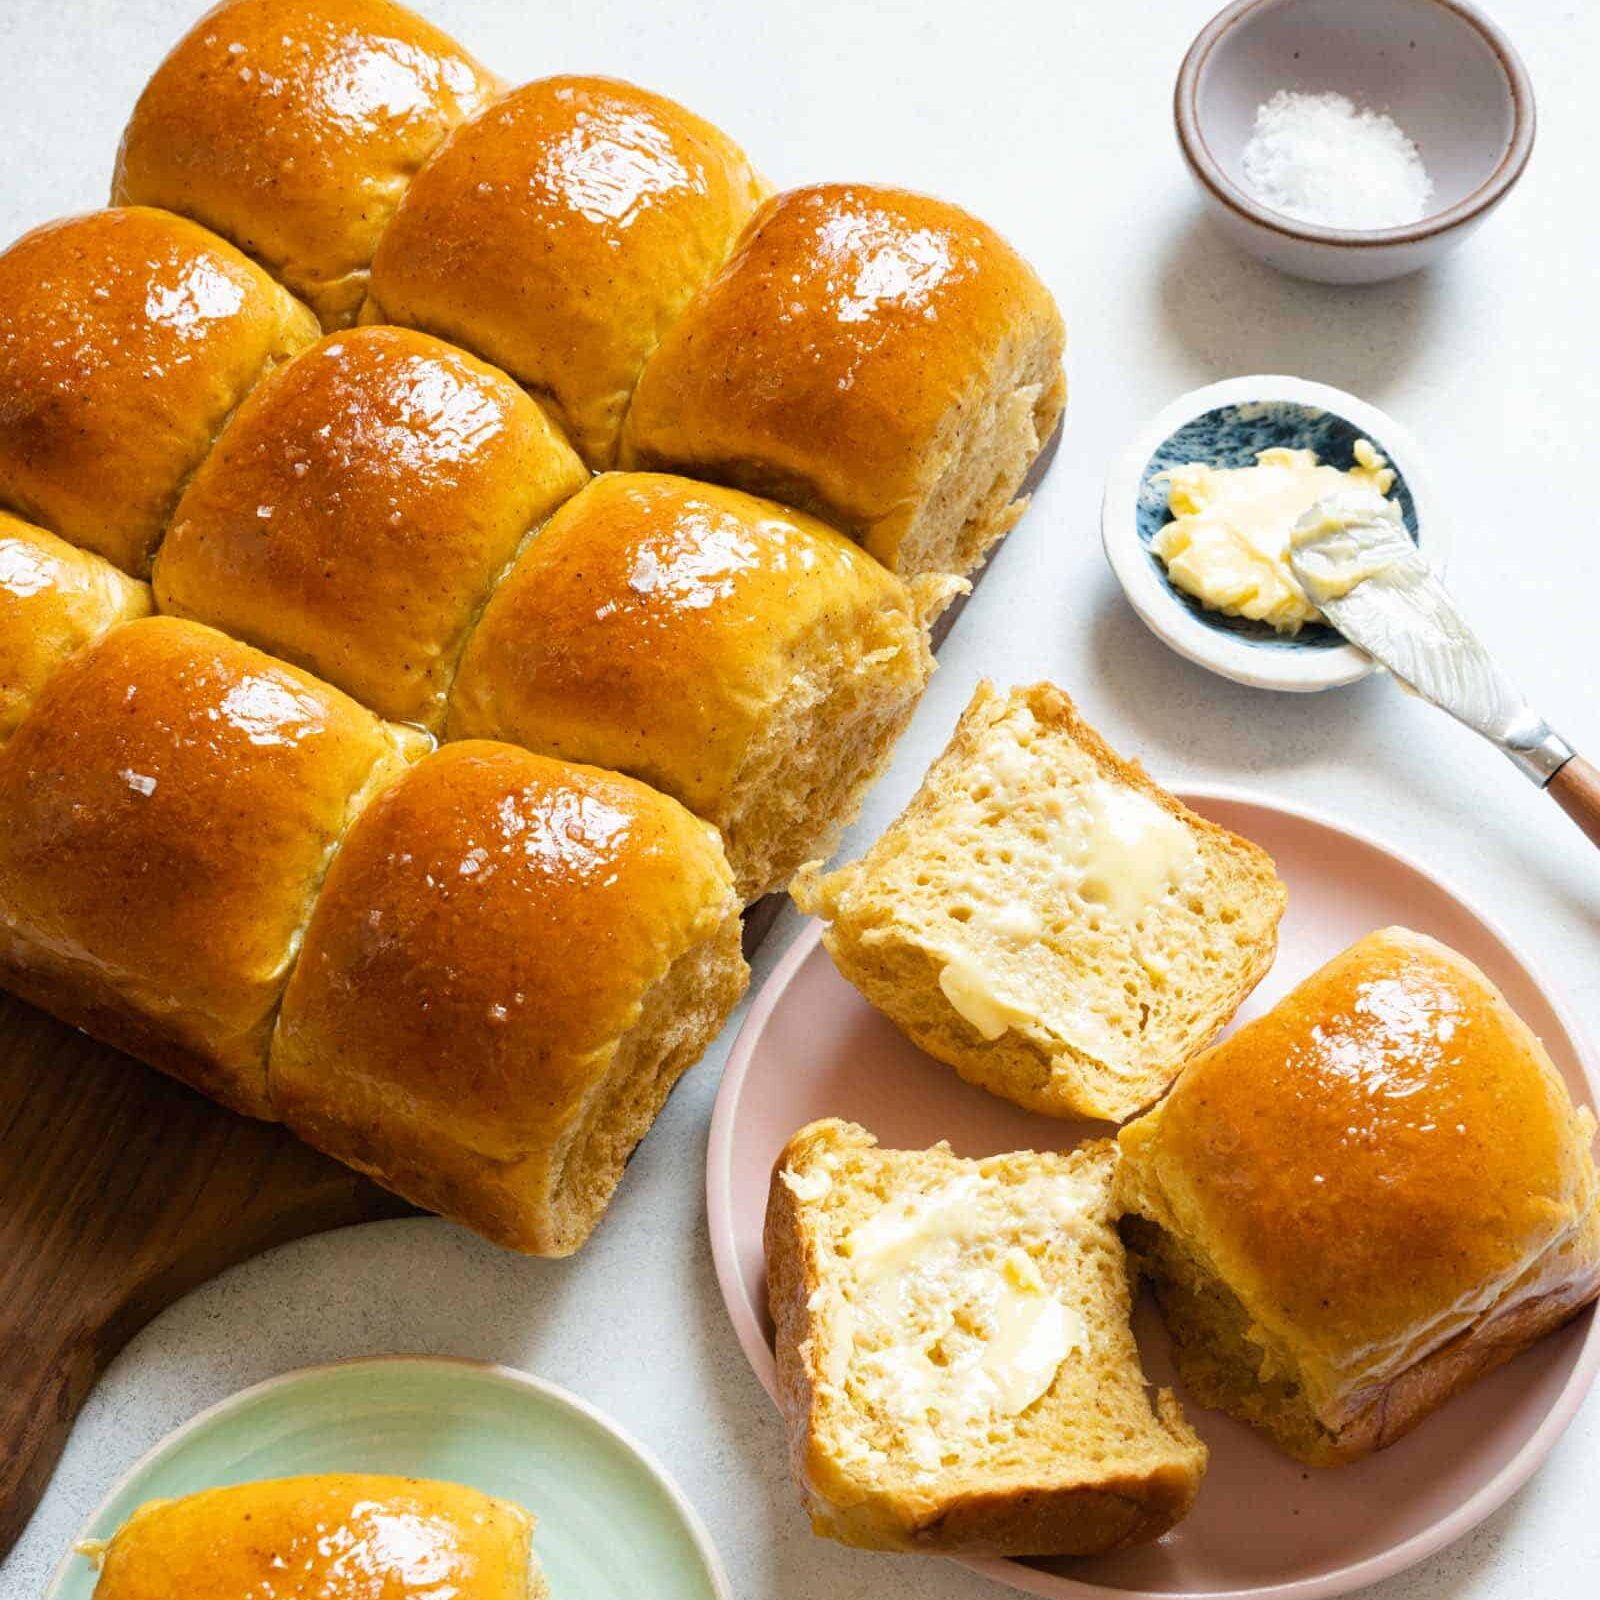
<point x="355" y="808"/>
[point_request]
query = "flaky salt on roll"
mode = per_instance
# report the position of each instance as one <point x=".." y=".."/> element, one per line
<point x="511" y="963"/>
<point x="53" y="598"/>
<point x="559" y="233"/>
<point x="1364" y="1200"/>
<point x="126" y="339"/>
<point x="171" y="802"/>
<point x="358" y="510"/>
<point x="292" y="127"/>
<point x="875" y="357"/>
<point x="338" y="1536"/>
<point x="739" y="656"/>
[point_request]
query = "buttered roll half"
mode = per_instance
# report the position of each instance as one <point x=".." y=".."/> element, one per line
<point x="358" y="509"/>
<point x="881" y="359"/>
<point x="1364" y="1200"/>
<point x="739" y="656"/>
<point x="558" y="234"/>
<point x="511" y="963"/>
<point x="126" y="339"/>
<point x="292" y="127"/>
<point x="171" y="801"/>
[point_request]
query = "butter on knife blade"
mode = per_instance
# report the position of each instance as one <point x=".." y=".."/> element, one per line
<point x="1355" y="560"/>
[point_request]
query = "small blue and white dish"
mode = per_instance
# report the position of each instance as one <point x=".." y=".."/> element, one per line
<point x="1225" y="425"/>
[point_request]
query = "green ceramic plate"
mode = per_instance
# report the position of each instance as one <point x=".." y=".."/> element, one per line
<point x="611" y="1524"/>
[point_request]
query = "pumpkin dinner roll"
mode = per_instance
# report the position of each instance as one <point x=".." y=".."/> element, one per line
<point x="741" y="657"/>
<point x="878" y="358"/>
<point x="53" y="598"/>
<point x="955" y="1358"/>
<point x="292" y="127"/>
<point x="1364" y="1200"/>
<point x="1046" y="919"/>
<point x="559" y="233"/>
<point x="328" y="1536"/>
<point x="358" y="508"/>
<point x="511" y="963"/>
<point x="126" y="338"/>
<point x="170" y="804"/>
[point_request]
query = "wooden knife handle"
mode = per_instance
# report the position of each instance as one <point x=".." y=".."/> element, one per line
<point x="1576" y="789"/>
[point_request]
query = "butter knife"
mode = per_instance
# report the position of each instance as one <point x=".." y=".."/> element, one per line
<point x="1357" y="564"/>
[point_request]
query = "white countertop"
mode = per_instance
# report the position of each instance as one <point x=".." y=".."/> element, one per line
<point x="1050" y="120"/>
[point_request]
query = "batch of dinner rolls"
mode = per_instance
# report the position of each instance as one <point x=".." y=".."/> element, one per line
<point x="1350" y="1209"/>
<point x="459" y="544"/>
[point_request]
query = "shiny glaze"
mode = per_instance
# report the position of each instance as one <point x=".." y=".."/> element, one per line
<point x="126" y="338"/>
<point x="558" y="234"/>
<point x="1372" y="1161"/>
<point x="170" y="803"/>
<point x="356" y="510"/>
<point x="293" y="126"/>
<point x="338" y="1536"/>
<point x="821" y="361"/>
<point x="482" y="941"/>
<point x="53" y="598"/>
<point x="654" y="623"/>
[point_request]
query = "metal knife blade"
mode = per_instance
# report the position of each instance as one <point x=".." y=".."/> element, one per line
<point x="1355" y="560"/>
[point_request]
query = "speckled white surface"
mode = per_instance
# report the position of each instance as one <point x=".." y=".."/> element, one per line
<point x="1051" y="120"/>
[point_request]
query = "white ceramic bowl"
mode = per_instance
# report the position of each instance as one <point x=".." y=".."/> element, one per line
<point x="1449" y="77"/>
<point x="1225" y="424"/>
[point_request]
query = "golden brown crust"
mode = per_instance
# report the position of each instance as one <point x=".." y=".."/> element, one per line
<point x="663" y="628"/>
<point x="559" y="233"/>
<point x="358" y="508"/>
<point x="1388" y="1174"/>
<point x="126" y="338"/>
<point x="827" y="364"/>
<point x="341" y="1535"/>
<point x="1125" y="1509"/>
<point x="481" y="952"/>
<point x="53" y="598"/>
<point x="1412" y="1395"/>
<point x="292" y="127"/>
<point x="171" y="801"/>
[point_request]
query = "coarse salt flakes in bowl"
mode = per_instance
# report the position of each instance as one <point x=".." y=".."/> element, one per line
<point x="1309" y="124"/>
<point x="1226" y="425"/>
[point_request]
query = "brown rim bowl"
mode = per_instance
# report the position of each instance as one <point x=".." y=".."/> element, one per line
<point x="1447" y="74"/>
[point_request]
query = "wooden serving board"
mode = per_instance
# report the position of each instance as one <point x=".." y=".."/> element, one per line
<point x="121" y="1190"/>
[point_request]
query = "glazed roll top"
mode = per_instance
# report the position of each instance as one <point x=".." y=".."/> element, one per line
<point x="510" y="964"/>
<point x="881" y="359"/>
<point x="53" y="598"/>
<point x="334" y="1536"/>
<point x="126" y="339"/>
<point x="171" y="802"/>
<point x="559" y="234"/>
<point x="292" y="127"/>
<point x="1385" y="1168"/>
<point x="359" y="507"/>
<point x="743" y="658"/>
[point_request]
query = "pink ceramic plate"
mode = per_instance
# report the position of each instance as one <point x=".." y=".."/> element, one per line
<point x="1263" y="1526"/>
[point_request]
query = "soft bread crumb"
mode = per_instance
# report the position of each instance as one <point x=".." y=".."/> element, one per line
<point x="987" y="449"/>
<point x="802" y="780"/>
<point x="1086" y="1463"/>
<point x="1046" y="919"/>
